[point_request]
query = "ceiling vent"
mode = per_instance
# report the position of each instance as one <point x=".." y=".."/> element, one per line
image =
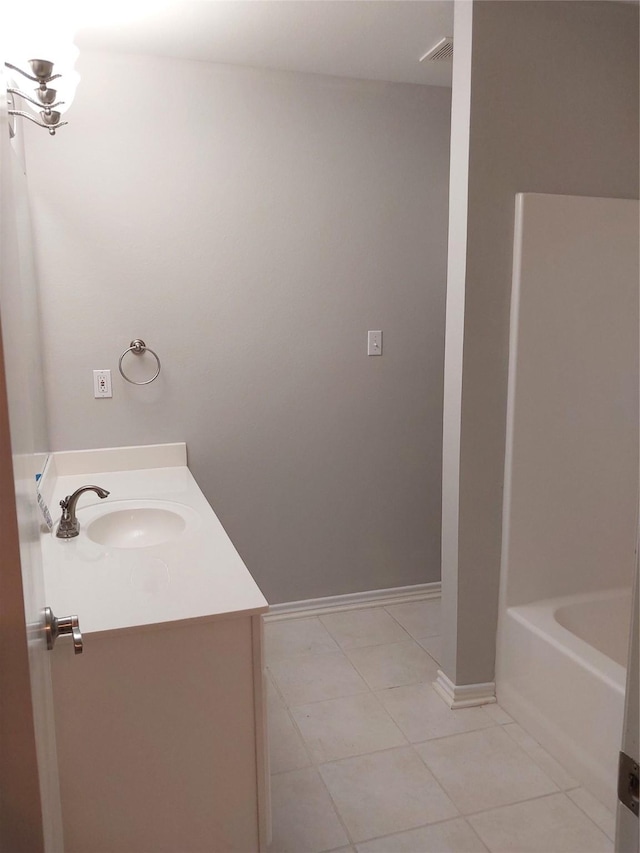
<point x="442" y="51"/>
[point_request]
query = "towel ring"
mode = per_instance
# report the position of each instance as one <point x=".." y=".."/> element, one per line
<point x="138" y="347"/>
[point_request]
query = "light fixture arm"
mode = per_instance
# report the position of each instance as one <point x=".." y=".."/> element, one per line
<point x="45" y="107"/>
<point x="50" y="127"/>
<point x="43" y="79"/>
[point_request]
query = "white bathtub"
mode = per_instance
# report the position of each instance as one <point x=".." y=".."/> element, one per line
<point x="561" y="672"/>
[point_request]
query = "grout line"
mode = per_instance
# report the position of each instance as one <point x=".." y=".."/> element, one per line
<point x="335" y="807"/>
<point x="312" y="764"/>
<point x="293" y="723"/>
<point x="407" y="742"/>
<point x="366" y="645"/>
<point x="452" y="735"/>
<point x="425" y="826"/>
<point x="381" y="687"/>
<point x="520" y="803"/>
<point x="371" y="752"/>
<point x="344" y="654"/>
<point x="586" y="814"/>
<point x="413" y="746"/>
<point x="491" y="808"/>
<point x="379" y="752"/>
<point x="318" y="764"/>
<point x="339" y="849"/>
<point x="330" y="699"/>
<point x="342" y="650"/>
<point x="506" y="726"/>
<point x="316" y="770"/>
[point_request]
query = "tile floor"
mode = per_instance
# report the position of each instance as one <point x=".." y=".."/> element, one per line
<point x="366" y="757"/>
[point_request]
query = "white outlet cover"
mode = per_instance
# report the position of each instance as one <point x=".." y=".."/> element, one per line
<point x="102" y="383"/>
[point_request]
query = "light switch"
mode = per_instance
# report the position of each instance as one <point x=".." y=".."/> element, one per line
<point x="374" y="343"/>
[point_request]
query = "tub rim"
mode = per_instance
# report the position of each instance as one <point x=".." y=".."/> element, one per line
<point x="540" y="617"/>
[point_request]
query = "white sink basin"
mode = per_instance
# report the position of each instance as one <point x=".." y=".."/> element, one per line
<point x="140" y="524"/>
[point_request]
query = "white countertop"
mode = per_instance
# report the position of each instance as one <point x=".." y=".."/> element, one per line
<point x="199" y="575"/>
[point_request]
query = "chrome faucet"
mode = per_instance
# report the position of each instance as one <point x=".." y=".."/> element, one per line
<point x="69" y="525"/>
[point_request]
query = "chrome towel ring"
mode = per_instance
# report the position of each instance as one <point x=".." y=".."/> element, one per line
<point x="138" y="347"/>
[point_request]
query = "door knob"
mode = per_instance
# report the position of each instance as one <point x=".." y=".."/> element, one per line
<point x="55" y="628"/>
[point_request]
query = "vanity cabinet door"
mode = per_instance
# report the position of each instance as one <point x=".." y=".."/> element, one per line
<point x="160" y="727"/>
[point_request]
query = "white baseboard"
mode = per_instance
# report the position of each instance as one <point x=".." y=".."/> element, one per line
<point x="352" y="601"/>
<point x="464" y="695"/>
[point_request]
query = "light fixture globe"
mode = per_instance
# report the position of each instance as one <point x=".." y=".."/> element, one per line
<point x="66" y="86"/>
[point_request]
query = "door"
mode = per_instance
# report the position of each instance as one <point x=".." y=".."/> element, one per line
<point x="30" y="802"/>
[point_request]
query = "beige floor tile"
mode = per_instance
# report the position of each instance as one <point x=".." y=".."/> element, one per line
<point x="594" y="809"/>
<point x="548" y="825"/>
<point x="419" y="618"/>
<point x="385" y="792"/>
<point x="452" y="836"/>
<point x="393" y="665"/>
<point x="370" y="627"/>
<point x="313" y="678"/>
<point x="349" y="726"/>
<point x="484" y="769"/>
<point x="560" y="776"/>
<point x="297" y="637"/>
<point x="286" y="749"/>
<point x="422" y="715"/>
<point x="433" y="646"/>
<point x="498" y="714"/>
<point x="304" y="818"/>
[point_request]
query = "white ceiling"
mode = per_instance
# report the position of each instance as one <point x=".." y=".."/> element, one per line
<point x="365" y="39"/>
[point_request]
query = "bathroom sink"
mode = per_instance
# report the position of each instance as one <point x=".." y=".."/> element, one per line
<point x="140" y="524"/>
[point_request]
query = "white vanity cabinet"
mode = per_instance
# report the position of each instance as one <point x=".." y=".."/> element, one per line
<point x="161" y="721"/>
<point x="160" y="737"/>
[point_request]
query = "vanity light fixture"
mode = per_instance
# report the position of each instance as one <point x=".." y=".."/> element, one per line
<point x="44" y="98"/>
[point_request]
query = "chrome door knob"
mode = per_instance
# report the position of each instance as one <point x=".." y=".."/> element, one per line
<point x="55" y="628"/>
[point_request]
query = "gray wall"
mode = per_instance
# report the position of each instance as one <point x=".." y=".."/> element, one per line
<point x="553" y="109"/>
<point x="252" y="226"/>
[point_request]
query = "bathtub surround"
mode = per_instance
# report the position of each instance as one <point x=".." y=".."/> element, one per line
<point x="565" y="123"/>
<point x="252" y="241"/>
<point x="571" y="467"/>
<point x="564" y="690"/>
<point x="571" y="479"/>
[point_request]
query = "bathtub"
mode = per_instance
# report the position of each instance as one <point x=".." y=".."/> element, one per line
<point x="561" y="672"/>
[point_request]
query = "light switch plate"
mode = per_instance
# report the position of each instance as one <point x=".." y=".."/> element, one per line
<point x="374" y="343"/>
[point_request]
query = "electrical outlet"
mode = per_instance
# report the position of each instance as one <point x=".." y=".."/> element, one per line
<point x="102" y="383"/>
